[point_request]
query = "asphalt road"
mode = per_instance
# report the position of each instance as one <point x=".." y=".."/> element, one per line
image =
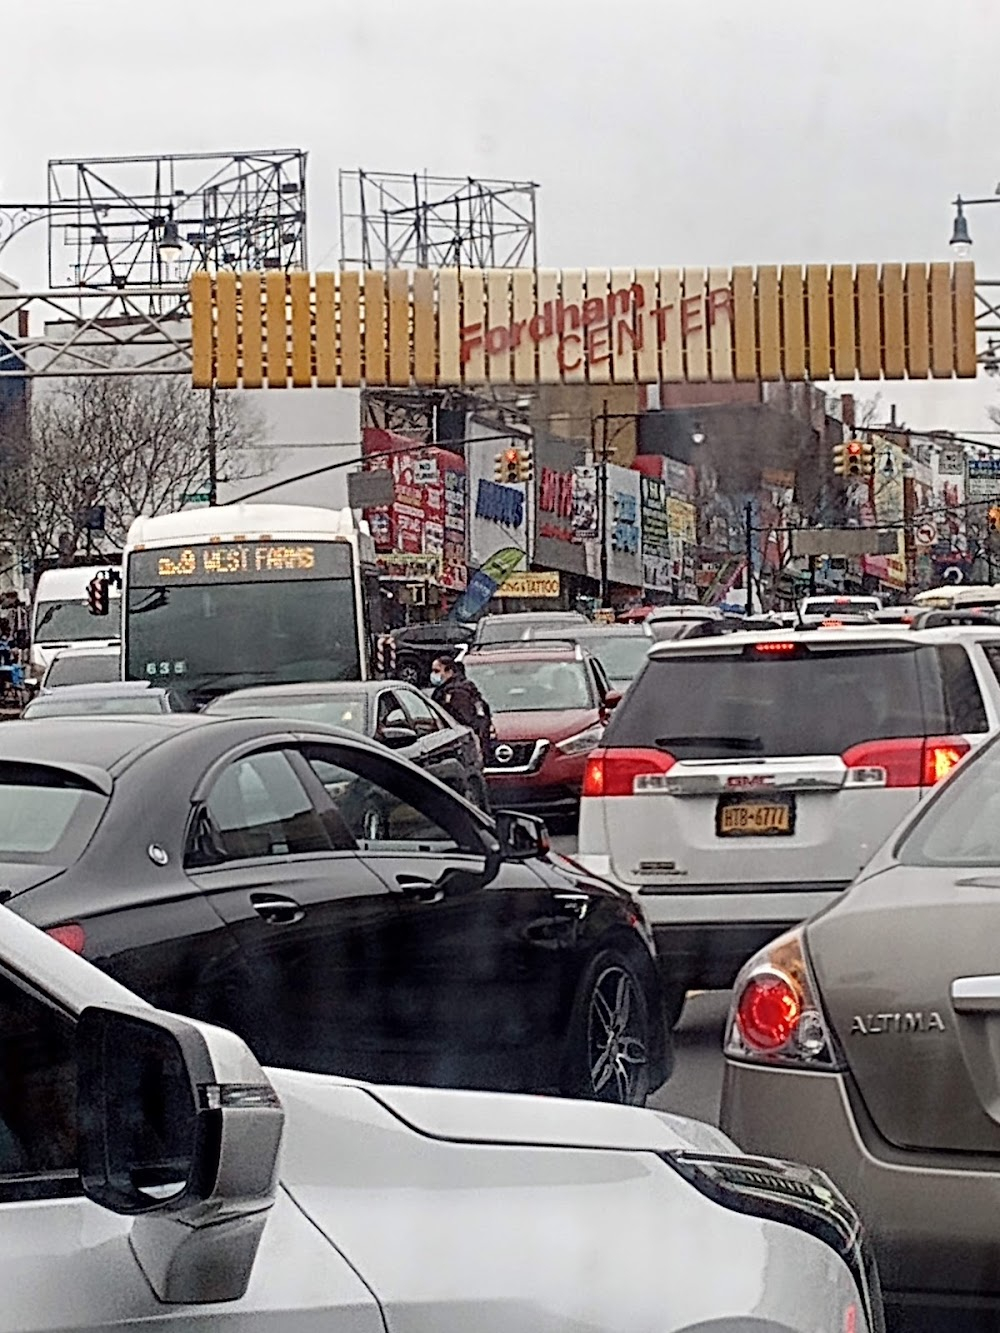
<point x="695" y="1086"/>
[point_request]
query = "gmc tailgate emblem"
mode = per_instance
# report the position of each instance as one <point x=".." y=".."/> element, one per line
<point x="750" y="780"/>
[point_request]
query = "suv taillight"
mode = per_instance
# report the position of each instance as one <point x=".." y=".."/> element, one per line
<point x="919" y="761"/>
<point x="613" y="772"/>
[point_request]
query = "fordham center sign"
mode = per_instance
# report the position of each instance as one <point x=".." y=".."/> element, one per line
<point x="638" y="326"/>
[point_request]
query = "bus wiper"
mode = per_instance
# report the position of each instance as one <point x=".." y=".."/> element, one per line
<point x="225" y="679"/>
<point x="740" y="744"/>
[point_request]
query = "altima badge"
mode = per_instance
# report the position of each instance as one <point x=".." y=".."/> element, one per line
<point x="870" y="1025"/>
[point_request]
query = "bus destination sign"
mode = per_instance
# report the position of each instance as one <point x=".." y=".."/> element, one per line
<point x="239" y="562"/>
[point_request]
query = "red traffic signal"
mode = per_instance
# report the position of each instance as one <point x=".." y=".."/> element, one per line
<point x="98" y="595"/>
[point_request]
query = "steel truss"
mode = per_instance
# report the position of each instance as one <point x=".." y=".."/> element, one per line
<point x="93" y="332"/>
<point x="109" y="217"/>
<point x="392" y="220"/>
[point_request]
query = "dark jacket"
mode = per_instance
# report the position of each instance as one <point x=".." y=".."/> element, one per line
<point x="461" y="698"/>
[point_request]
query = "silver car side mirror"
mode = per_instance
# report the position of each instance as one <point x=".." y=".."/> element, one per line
<point x="178" y="1126"/>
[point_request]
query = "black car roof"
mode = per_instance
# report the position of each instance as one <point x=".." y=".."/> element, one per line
<point x="313" y="688"/>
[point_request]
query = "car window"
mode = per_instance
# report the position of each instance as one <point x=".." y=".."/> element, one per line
<point x="712" y="706"/>
<point x="965" y="711"/>
<point x="113" y="705"/>
<point x="531" y="685"/>
<point x="46" y="815"/>
<point x="82" y="669"/>
<point x="389" y="712"/>
<point x="259" y="808"/>
<point x="621" y="655"/>
<point x="383" y="804"/>
<point x="37" y="1097"/>
<point x="420" y="713"/>
<point x="961" y="827"/>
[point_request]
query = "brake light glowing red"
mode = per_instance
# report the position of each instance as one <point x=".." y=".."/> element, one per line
<point x="769" y="1011"/>
<point x="908" y="761"/>
<point x="770" y="648"/>
<point x="74" y="937"/>
<point x="613" y="772"/>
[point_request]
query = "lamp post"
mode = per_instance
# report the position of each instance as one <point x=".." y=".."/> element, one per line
<point x="170" y="247"/>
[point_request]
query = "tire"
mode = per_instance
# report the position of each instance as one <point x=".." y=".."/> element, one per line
<point x="608" y="1044"/>
<point x="674" y="998"/>
<point x="409" y="670"/>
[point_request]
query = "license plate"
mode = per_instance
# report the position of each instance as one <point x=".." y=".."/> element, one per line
<point x="741" y="818"/>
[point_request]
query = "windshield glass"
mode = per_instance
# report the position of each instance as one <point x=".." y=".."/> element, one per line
<point x="621" y="655"/>
<point x="113" y="705"/>
<point x="83" y="669"/>
<point x="71" y="622"/>
<point x="199" y="620"/>
<point x="45" y="816"/>
<point x="855" y="606"/>
<point x="531" y="686"/>
<point x="346" y="711"/>
<point x="961" y="827"/>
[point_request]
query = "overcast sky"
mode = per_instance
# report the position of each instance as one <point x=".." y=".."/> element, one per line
<point x="660" y="131"/>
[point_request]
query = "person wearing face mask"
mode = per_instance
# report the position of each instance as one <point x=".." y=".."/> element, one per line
<point x="460" y="697"/>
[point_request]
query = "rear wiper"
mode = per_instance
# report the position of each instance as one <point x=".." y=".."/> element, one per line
<point x="742" y="744"/>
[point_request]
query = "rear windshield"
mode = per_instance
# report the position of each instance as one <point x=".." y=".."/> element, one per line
<point x="83" y="669"/>
<point x="98" y="705"/>
<point x="961" y="827"/>
<point x="70" y="622"/>
<point x="509" y="629"/>
<point x="348" y="712"/>
<point x="723" y="705"/>
<point x="531" y="686"/>
<point x="45" y="815"/>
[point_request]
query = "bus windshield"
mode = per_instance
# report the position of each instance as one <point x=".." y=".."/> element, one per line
<point x="211" y="619"/>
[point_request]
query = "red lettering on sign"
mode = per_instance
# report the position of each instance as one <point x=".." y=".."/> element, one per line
<point x="720" y="302"/>
<point x="567" y="312"/>
<point x="692" y="311"/>
<point x="497" y="340"/>
<point x="471" y="338"/>
<point x="541" y="324"/>
<point x="598" y="343"/>
<point x="624" y="328"/>
<point x="516" y="332"/>
<point x="619" y="301"/>
<point x="660" y="315"/>
<point x="555" y="492"/>
<point x="593" y="311"/>
<point x="564" y="364"/>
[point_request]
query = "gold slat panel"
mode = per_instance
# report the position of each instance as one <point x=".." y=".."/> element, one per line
<point x="869" y="322"/>
<point x="918" y="335"/>
<point x="474" y="326"/>
<point x="964" y="293"/>
<point x="424" y="328"/>
<point x="668" y="322"/>
<point x="326" y="330"/>
<point x="523" y="310"/>
<point x="399" y="327"/>
<point x="647" y="361"/>
<point x="942" y="323"/>
<point x="818" y="321"/>
<point x="793" y="317"/>
<point x="893" y="323"/>
<point x="374" y="330"/>
<point x="844" y="323"/>
<point x="498" y="318"/>
<point x="719" y="313"/>
<point x="302" y="328"/>
<point x="276" y="329"/>
<point x="626" y="326"/>
<point x="548" y="357"/>
<point x="768" y="323"/>
<point x="202" y="330"/>
<point x="251" y="331"/>
<point x="350" y="328"/>
<point x="598" y="335"/>
<point x="449" y="327"/>
<point x="226" y="332"/>
<point x="744" y="323"/>
<point x="693" y="329"/>
<point x="571" y="336"/>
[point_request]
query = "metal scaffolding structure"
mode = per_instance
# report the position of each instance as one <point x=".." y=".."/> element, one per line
<point x="393" y="220"/>
<point x="130" y="222"/>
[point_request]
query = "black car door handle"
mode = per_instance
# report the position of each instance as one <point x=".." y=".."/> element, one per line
<point x="574" y="904"/>
<point x="276" y="911"/>
<point x="424" y="890"/>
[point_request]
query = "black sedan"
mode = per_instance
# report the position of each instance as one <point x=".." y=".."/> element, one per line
<point x="389" y="711"/>
<point x="205" y="863"/>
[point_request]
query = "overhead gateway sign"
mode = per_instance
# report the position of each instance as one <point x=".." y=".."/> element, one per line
<point x="517" y="326"/>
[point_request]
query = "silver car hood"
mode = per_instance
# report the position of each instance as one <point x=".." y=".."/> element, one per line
<point x="470" y="1210"/>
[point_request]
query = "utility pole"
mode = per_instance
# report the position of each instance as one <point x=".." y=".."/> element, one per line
<point x="602" y="504"/>
<point x="748" y="522"/>
<point x="213" y="462"/>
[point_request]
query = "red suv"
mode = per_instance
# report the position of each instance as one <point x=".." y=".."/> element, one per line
<point x="550" y="703"/>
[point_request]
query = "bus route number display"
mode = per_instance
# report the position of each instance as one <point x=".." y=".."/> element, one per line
<point x="239" y="562"/>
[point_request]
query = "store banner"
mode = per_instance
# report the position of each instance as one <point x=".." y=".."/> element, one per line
<point x="682" y="520"/>
<point x="585" y="516"/>
<point x="498" y="513"/>
<point x="623" y="526"/>
<point x="565" y="503"/>
<point x="453" y="570"/>
<point x="546" y="585"/>
<point x="655" y="533"/>
<point x="417" y="522"/>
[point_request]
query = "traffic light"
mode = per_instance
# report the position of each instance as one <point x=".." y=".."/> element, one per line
<point x="526" y="465"/>
<point x="98" y="596"/>
<point x="840" y="460"/>
<point x="867" y="459"/>
<point x="854" y="459"/>
<point x="508" y="466"/>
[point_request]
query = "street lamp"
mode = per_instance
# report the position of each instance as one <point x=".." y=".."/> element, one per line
<point x="961" y="241"/>
<point x="697" y="435"/>
<point x="170" y="246"/>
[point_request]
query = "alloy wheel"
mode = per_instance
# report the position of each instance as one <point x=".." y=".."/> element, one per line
<point x="616" y="1037"/>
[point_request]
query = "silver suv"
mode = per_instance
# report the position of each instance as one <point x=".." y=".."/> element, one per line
<point x="744" y="780"/>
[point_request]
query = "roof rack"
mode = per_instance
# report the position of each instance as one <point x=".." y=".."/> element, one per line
<point x="939" y="619"/>
<point x="523" y="642"/>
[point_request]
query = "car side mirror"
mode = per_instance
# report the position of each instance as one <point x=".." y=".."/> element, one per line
<point x="178" y="1126"/>
<point x="521" y="837"/>
<point x="396" y="738"/>
<point x="612" y="699"/>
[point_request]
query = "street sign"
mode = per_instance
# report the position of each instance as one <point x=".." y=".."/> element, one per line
<point x="844" y="541"/>
<point x="982" y="479"/>
<point x="196" y="498"/>
<point x="926" y="534"/>
<point x="366" y="490"/>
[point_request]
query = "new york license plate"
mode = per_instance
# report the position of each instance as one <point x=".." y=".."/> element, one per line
<point x="740" y="817"/>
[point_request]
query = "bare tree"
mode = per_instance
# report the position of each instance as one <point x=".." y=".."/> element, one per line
<point x="131" y="444"/>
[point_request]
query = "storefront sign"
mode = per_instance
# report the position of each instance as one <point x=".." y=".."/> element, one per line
<point x="584" y="521"/>
<point x="655" y="533"/>
<point x="531" y="585"/>
<point x="559" y="501"/>
<point x="498" y="514"/>
<point x="982" y="479"/>
<point x="623" y="531"/>
<point x="500" y="504"/>
<point x="682" y="520"/>
<point x="409" y="568"/>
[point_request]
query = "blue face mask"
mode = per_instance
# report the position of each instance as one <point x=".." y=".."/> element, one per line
<point x="437" y="678"/>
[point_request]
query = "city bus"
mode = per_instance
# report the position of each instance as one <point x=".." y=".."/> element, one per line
<point x="234" y="595"/>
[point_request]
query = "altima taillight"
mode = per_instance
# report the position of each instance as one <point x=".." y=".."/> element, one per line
<point x="919" y="761"/>
<point x="624" y="772"/>
<point x="72" y="936"/>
